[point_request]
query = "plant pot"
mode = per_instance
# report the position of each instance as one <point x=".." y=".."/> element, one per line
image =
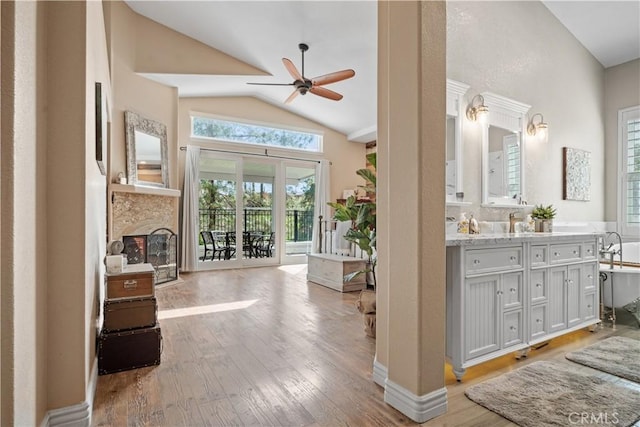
<point x="366" y="304"/>
<point x="544" y="225"/>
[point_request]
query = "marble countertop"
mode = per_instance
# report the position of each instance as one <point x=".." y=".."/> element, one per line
<point x="507" y="238"/>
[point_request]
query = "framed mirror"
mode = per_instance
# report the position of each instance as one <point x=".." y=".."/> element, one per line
<point x="146" y="142"/>
<point x="454" y="165"/>
<point x="503" y="154"/>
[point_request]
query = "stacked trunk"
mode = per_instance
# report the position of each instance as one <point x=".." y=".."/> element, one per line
<point x="131" y="337"/>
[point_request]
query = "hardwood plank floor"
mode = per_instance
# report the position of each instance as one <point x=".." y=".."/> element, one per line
<point x="261" y="346"/>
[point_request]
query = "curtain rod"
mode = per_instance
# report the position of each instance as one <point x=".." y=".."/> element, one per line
<point x="266" y="154"/>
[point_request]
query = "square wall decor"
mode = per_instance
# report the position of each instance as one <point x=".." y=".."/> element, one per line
<point x="576" y="174"/>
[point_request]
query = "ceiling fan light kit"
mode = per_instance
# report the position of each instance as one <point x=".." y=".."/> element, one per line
<point x="303" y="85"/>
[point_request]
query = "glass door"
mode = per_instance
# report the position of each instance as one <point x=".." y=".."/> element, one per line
<point x="218" y="217"/>
<point x="259" y="217"/>
<point x="299" y="185"/>
<point x="254" y="211"/>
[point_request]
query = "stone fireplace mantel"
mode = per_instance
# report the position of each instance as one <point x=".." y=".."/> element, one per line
<point x="139" y="210"/>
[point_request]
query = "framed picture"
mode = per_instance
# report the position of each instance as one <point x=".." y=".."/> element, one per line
<point x="576" y="169"/>
<point x="136" y="248"/>
<point x="101" y="129"/>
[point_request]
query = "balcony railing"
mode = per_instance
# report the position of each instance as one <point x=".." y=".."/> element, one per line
<point x="298" y="223"/>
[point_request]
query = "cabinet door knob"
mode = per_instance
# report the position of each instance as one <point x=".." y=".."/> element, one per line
<point x="556" y="254"/>
<point x="538" y="320"/>
<point x="537" y="255"/>
<point x="513" y="328"/>
<point x="512" y="258"/>
<point x="589" y="306"/>
<point x="538" y="285"/>
<point x="476" y="261"/>
<point x="513" y="290"/>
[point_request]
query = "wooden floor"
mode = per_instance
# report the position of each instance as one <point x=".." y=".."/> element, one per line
<point x="261" y="346"/>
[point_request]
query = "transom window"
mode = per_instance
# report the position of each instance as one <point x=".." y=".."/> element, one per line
<point x="226" y="130"/>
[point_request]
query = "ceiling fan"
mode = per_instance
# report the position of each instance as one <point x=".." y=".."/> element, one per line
<point x="314" y="85"/>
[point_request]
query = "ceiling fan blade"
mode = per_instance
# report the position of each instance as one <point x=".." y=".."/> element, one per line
<point x="333" y="77"/>
<point x="272" y="84"/>
<point x="326" y="93"/>
<point x="291" y="97"/>
<point x="292" y="69"/>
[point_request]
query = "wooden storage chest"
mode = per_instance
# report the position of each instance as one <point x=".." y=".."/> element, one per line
<point x="137" y="280"/>
<point x="125" y="314"/>
<point x="121" y="351"/>
<point x="329" y="270"/>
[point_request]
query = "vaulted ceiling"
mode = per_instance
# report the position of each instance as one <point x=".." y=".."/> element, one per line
<point x="341" y="35"/>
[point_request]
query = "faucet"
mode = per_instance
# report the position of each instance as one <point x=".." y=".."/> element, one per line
<point x="512" y="222"/>
<point x="611" y="252"/>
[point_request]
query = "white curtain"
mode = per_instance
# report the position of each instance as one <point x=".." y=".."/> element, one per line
<point x="322" y="196"/>
<point x="190" y="209"/>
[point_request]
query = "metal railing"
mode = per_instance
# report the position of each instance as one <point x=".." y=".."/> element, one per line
<point x="298" y="223"/>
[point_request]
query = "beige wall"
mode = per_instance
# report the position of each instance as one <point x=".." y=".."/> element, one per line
<point x="500" y="47"/>
<point x="134" y="92"/>
<point x="622" y="90"/>
<point x="52" y="253"/>
<point x="346" y="157"/>
<point x="411" y="154"/>
<point x="24" y="207"/>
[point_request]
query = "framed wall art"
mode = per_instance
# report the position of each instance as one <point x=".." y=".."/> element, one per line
<point x="576" y="171"/>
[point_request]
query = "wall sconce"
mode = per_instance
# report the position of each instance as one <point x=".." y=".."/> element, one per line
<point x="539" y="129"/>
<point x="478" y="112"/>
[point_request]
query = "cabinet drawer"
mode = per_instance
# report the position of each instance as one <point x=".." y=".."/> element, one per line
<point x="512" y="328"/>
<point x="539" y="255"/>
<point x="565" y="252"/>
<point x="538" y="321"/>
<point x="539" y="286"/>
<point x="512" y="290"/>
<point x="589" y="306"/>
<point x="490" y="260"/>
<point x="589" y="250"/>
<point x="589" y="277"/>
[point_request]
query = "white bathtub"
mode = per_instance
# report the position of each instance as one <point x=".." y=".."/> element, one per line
<point x="626" y="280"/>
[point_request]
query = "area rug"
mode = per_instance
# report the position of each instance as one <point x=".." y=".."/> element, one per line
<point x="619" y="356"/>
<point x="557" y="393"/>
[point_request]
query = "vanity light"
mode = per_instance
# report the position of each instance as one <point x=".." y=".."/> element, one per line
<point x="539" y="129"/>
<point x="478" y="112"/>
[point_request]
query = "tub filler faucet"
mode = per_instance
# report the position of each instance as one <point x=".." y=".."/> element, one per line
<point x="612" y="252"/>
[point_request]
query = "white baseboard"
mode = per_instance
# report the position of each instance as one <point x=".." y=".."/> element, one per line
<point x="418" y="408"/>
<point x="380" y="373"/>
<point x="78" y="415"/>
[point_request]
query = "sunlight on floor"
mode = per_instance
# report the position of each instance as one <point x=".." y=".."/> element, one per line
<point x="205" y="309"/>
<point x="293" y="268"/>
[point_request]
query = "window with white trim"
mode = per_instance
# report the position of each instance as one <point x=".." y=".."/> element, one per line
<point x="629" y="194"/>
<point x="232" y="131"/>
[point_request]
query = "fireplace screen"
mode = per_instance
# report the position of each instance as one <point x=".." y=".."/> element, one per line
<point x="160" y="249"/>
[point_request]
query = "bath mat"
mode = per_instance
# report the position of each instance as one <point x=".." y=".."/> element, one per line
<point x="619" y="356"/>
<point x="557" y="393"/>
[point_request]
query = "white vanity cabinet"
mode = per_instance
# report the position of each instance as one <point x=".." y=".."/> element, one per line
<point x="506" y="294"/>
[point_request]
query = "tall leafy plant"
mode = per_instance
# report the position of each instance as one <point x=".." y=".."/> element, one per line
<point x="362" y="215"/>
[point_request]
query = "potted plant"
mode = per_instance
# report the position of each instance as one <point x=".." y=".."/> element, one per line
<point x="362" y="215"/>
<point x="543" y="216"/>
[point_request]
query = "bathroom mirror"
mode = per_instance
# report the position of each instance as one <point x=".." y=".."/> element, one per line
<point x="503" y="154"/>
<point x="146" y="151"/>
<point x="454" y="165"/>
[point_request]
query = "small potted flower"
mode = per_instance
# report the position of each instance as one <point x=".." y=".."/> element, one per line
<point x="543" y="216"/>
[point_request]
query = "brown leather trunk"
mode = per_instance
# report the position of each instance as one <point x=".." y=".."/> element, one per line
<point x="125" y="314"/>
<point x="121" y="351"/>
<point x="130" y="285"/>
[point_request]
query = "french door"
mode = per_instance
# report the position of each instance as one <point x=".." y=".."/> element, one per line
<point x="254" y="211"/>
